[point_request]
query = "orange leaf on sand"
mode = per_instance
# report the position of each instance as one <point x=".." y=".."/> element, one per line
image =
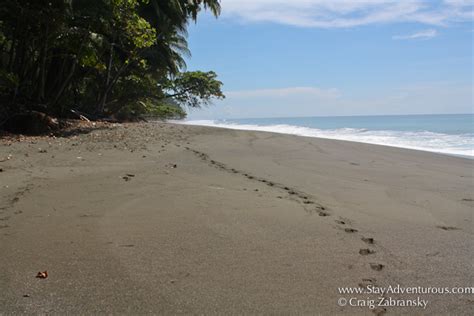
<point x="42" y="275"/>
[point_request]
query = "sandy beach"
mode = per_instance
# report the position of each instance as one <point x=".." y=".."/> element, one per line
<point x="160" y="218"/>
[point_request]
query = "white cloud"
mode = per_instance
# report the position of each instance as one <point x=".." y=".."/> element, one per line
<point x="285" y="92"/>
<point x="424" y="34"/>
<point x="348" y="13"/>
<point x="416" y="98"/>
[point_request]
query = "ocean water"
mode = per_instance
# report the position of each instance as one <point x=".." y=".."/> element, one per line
<point x="449" y="134"/>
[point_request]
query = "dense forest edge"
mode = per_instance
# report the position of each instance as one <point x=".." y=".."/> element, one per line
<point x="112" y="60"/>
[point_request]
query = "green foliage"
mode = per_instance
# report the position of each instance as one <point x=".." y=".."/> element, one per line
<point x="102" y="57"/>
<point x="195" y="88"/>
<point x="151" y="110"/>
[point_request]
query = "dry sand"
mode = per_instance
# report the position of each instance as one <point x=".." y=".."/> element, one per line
<point x="162" y="218"/>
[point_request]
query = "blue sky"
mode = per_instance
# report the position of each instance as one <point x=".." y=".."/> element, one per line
<point x="337" y="57"/>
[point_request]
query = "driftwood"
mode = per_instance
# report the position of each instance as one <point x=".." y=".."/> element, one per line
<point x="80" y="116"/>
<point x="30" y="123"/>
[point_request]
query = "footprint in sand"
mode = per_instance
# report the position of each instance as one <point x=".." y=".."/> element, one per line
<point x="377" y="266"/>
<point x="368" y="240"/>
<point x="379" y="311"/>
<point x="350" y="230"/>
<point x="367" y="281"/>
<point x="340" y="222"/>
<point x="366" y="251"/>
<point x="448" y="227"/>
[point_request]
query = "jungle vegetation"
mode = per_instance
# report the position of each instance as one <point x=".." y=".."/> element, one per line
<point x="102" y="58"/>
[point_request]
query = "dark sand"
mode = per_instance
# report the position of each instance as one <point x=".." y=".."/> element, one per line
<point x="168" y="219"/>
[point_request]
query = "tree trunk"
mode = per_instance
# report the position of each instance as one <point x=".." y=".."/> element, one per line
<point x="103" y="100"/>
<point x="11" y="56"/>
<point x="65" y="83"/>
<point x="43" y="66"/>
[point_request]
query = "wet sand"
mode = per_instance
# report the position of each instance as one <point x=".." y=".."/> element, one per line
<point x="168" y="219"/>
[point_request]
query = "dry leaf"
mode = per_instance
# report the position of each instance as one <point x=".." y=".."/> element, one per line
<point x="42" y="275"/>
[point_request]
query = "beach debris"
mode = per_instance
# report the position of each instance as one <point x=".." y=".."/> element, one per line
<point x="7" y="158"/>
<point x="26" y="295"/>
<point x="42" y="275"/>
<point x="366" y="251"/>
<point x="377" y="266"/>
<point x="130" y="175"/>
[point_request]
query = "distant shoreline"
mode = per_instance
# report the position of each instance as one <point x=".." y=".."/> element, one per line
<point x="265" y="125"/>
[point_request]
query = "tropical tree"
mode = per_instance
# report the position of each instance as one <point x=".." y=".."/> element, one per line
<point x="100" y="57"/>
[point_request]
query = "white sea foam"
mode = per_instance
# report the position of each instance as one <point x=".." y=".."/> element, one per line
<point x="462" y="145"/>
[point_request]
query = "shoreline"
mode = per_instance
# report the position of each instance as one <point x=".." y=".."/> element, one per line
<point x="271" y="129"/>
<point x="166" y="218"/>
